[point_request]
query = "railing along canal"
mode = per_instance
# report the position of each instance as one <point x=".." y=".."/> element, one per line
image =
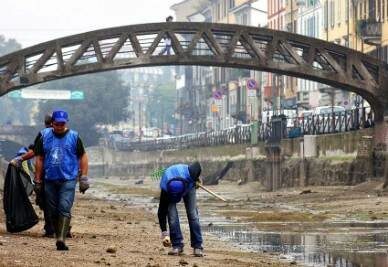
<point x="349" y="120"/>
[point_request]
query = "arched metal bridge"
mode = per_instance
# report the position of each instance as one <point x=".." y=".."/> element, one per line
<point x="204" y="44"/>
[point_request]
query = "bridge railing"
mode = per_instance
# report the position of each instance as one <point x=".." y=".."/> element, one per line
<point x="349" y="120"/>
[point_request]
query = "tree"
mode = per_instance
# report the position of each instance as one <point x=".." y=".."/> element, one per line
<point x="15" y="111"/>
<point x="106" y="99"/>
<point x="8" y="46"/>
<point x="161" y="105"/>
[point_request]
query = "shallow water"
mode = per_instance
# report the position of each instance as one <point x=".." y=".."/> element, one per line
<point x="363" y="248"/>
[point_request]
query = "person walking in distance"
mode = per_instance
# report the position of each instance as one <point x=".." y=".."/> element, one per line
<point x="179" y="181"/>
<point x="167" y="41"/>
<point x="60" y="155"/>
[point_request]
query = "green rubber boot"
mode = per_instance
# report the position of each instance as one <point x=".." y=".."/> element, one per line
<point x="61" y="232"/>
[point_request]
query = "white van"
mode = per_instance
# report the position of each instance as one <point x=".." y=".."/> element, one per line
<point x="323" y="110"/>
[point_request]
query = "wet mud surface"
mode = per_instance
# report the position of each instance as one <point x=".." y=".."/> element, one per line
<point x="115" y="224"/>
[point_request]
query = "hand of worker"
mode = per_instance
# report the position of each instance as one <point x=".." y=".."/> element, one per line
<point x="37" y="188"/>
<point x="17" y="161"/>
<point x="83" y="184"/>
<point x="198" y="182"/>
<point x="166" y="239"/>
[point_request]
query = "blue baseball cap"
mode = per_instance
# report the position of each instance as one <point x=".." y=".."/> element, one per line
<point x="175" y="190"/>
<point x="60" y="116"/>
<point x="22" y="151"/>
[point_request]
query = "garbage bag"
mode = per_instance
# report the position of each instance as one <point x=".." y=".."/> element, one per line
<point x="19" y="213"/>
<point x="214" y="178"/>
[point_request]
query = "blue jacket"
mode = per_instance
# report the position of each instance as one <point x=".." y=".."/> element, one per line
<point x="177" y="171"/>
<point x="60" y="158"/>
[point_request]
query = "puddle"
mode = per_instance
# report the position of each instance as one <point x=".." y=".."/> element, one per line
<point x="366" y="248"/>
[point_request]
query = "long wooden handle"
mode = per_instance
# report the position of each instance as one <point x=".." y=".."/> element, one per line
<point x="211" y="192"/>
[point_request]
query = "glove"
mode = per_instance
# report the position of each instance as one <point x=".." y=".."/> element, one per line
<point x="17" y="161"/>
<point x="166" y="239"/>
<point x="39" y="194"/>
<point x="198" y="182"/>
<point x="37" y="188"/>
<point x="83" y="184"/>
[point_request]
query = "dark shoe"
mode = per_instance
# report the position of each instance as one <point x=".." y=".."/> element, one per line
<point x="175" y="251"/>
<point x="62" y="228"/>
<point x="61" y="246"/>
<point x="198" y="252"/>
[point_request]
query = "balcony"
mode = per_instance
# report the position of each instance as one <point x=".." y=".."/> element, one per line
<point x="370" y="31"/>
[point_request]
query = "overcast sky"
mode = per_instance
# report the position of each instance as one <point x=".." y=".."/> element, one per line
<point x="34" y="21"/>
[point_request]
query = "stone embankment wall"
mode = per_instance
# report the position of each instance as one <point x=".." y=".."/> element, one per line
<point x="336" y="159"/>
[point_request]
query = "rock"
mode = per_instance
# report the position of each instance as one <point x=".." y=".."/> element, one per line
<point x="210" y="224"/>
<point x="139" y="182"/>
<point x="183" y="262"/>
<point x="307" y="191"/>
<point x="94" y="236"/>
<point x="195" y="265"/>
<point x="111" y="249"/>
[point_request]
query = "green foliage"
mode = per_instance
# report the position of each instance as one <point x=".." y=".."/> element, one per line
<point x="106" y="98"/>
<point x="157" y="174"/>
<point x="161" y="105"/>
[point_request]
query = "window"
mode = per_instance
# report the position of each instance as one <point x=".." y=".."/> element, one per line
<point x="378" y="10"/>
<point x="339" y="9"/>
<point x="372" y="9"/>
<point x="326" y="14"/>
<point x="231" y="4"/>
<point x="332" y="13"/>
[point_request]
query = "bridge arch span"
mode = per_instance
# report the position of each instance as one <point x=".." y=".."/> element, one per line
<point x="205" y="44"/>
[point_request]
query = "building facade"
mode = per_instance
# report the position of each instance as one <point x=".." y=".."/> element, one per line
<point x="219" y="97"/>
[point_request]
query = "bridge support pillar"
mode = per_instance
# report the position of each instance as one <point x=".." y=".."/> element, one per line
<point x="273" y="179"/>
<point x="381" y="144"/>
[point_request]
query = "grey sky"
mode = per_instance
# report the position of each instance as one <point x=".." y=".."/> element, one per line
<point x="35" y="21"/>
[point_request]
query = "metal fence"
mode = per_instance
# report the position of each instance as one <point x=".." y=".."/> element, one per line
<point x="349" y="120"/>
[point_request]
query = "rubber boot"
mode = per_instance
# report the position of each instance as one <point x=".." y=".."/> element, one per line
<point x="69" y="234"/>
<point x="61" y="232"/>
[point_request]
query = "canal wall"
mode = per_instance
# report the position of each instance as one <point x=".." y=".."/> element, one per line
<point x="335" y="159"/>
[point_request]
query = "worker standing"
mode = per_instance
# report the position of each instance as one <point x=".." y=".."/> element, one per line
<point x="60" y="155"/>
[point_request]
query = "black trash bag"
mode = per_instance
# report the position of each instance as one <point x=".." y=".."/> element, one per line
<point x="214" y="178"/>
<point x="20" y="215"/>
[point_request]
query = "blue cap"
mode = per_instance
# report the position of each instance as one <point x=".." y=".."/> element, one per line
<point x="60" y="116"/>
<point x="22" y="151"/>
<point x="175" y="190"/>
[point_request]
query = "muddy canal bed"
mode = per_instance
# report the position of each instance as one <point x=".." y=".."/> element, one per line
<point x="319" y="226"/>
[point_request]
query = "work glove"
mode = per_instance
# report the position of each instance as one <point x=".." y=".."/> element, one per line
<point x="38" y="188"/>
<point x="83" y="184"/>
<point x="17" y="161"/>
<point x="166" y="239"/>
<point x="198" y="182"/>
